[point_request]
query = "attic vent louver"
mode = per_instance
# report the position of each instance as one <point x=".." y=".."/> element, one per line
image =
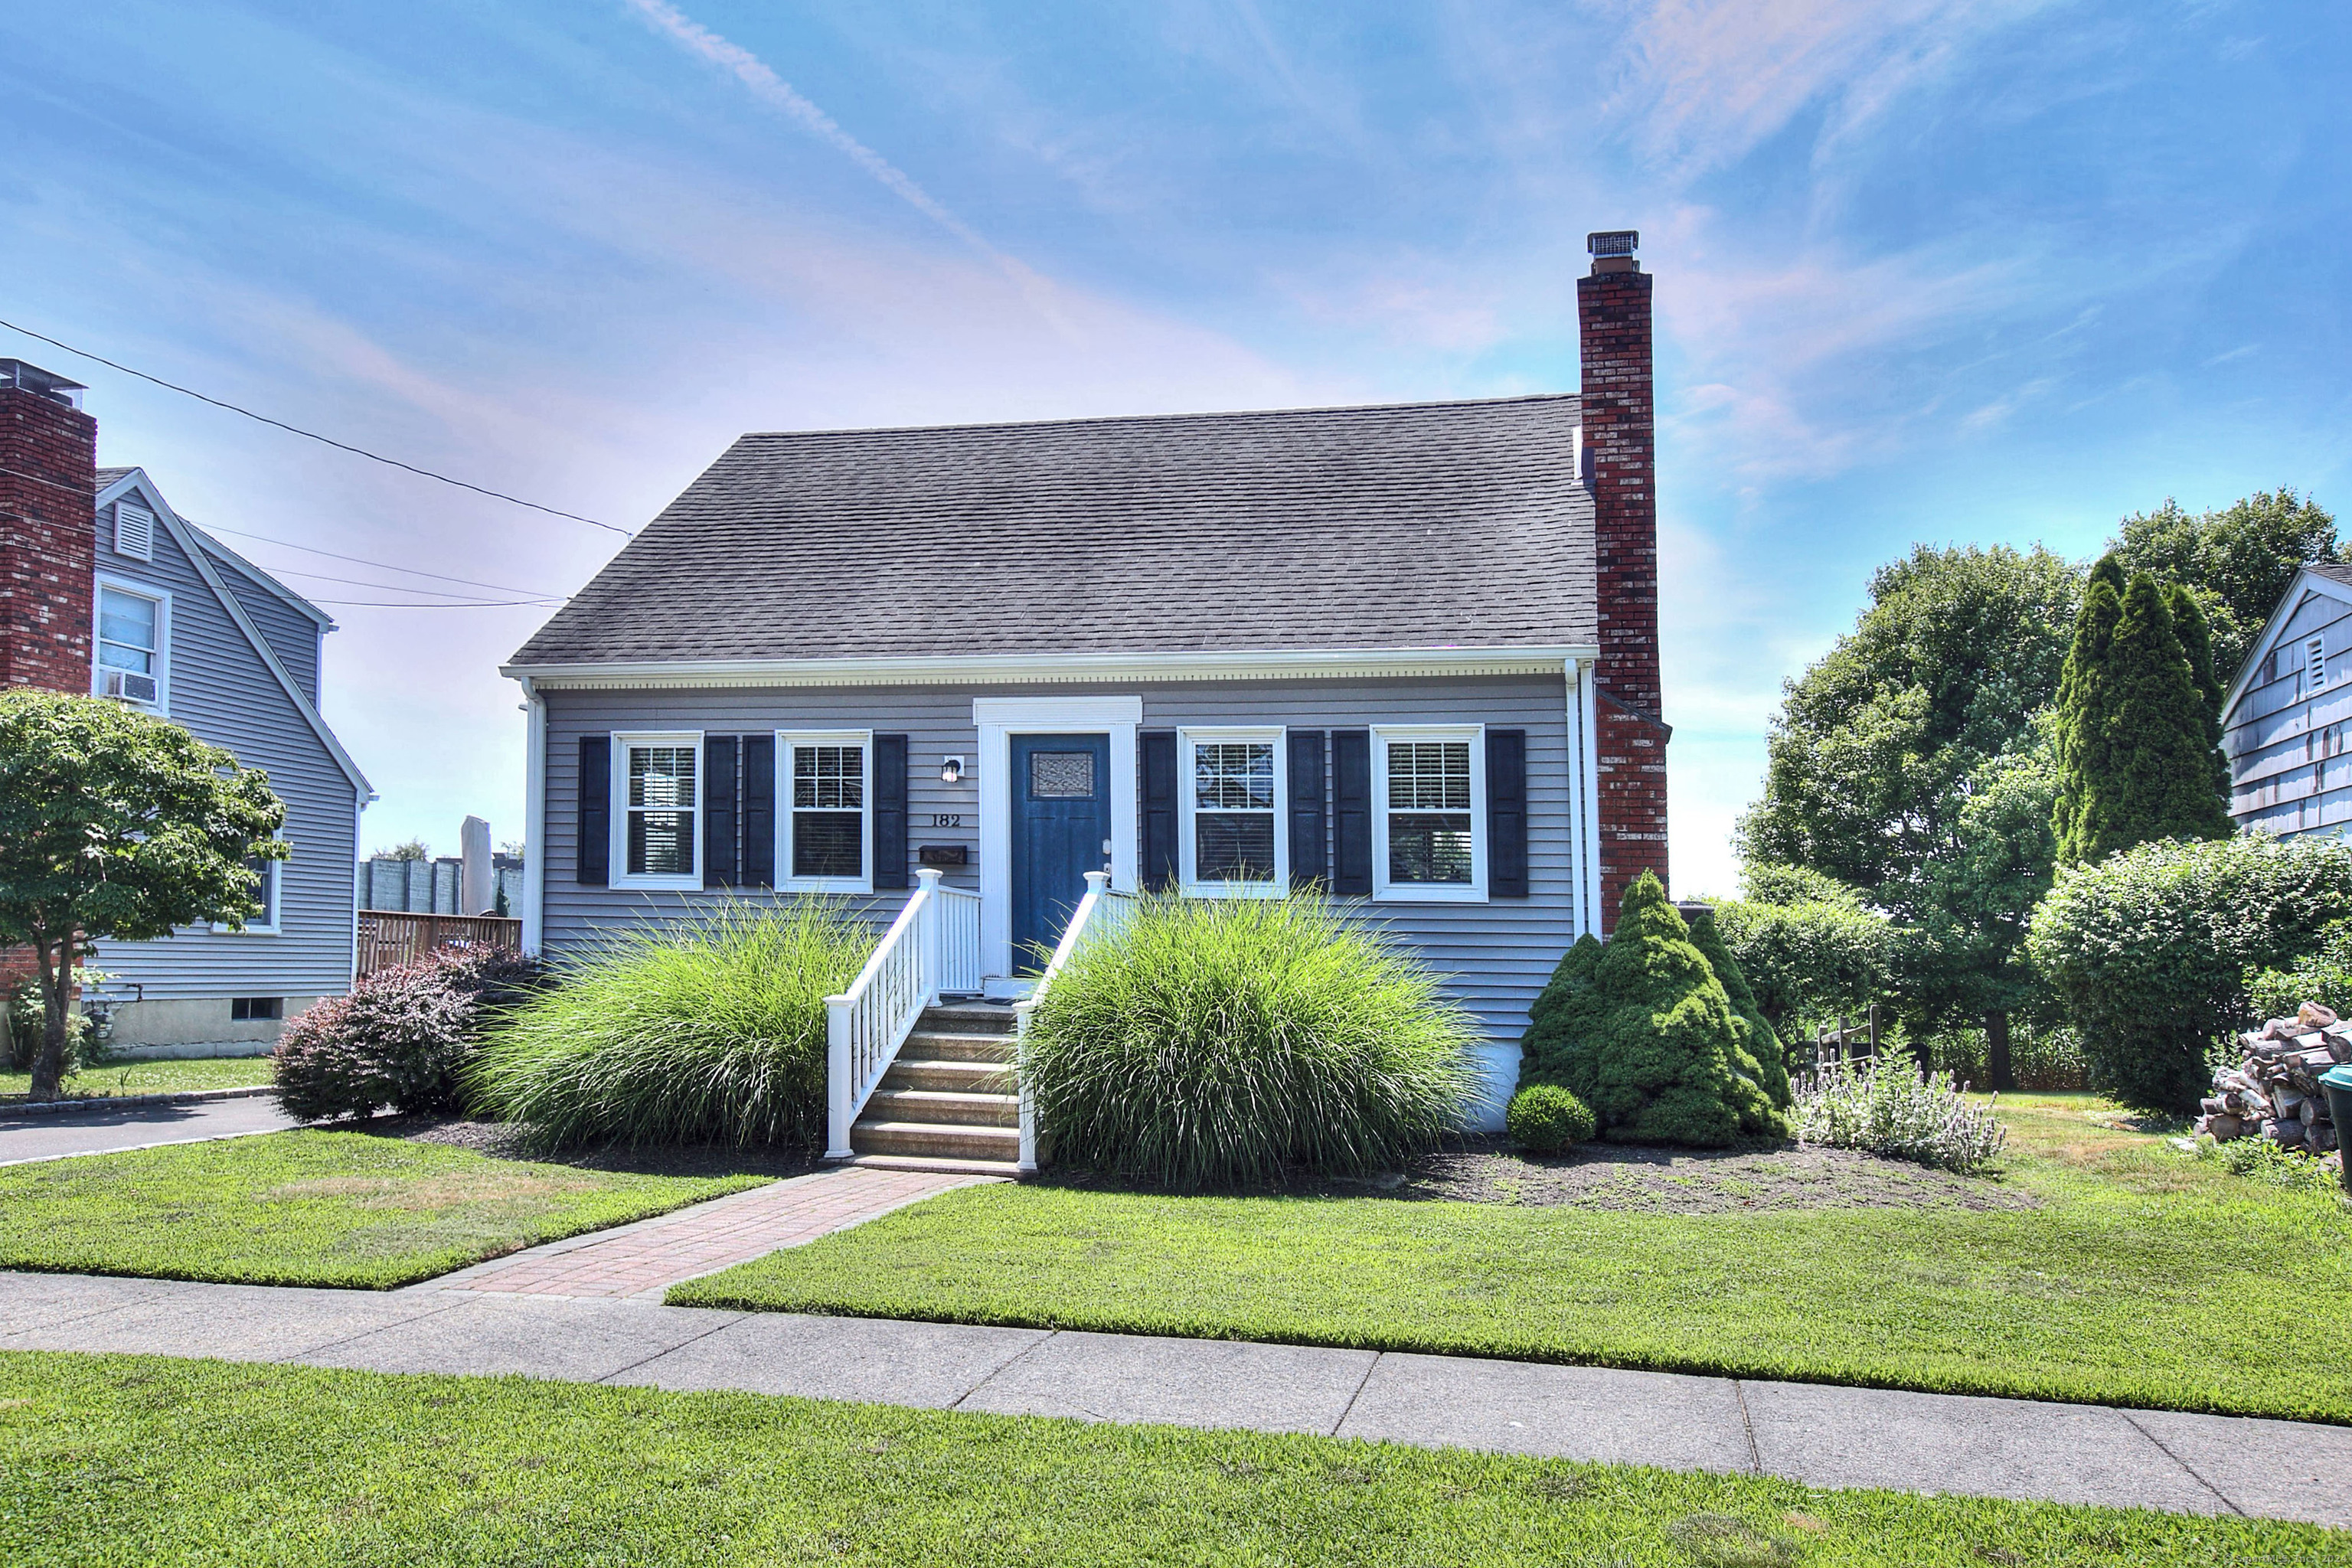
<point x="134" y="531"/>
<point x="2314" y="654"/>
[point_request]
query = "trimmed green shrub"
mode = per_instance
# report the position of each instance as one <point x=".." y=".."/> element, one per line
<point x="1762" y="1045"/>
<point x="708" y="1030"/>
<point x="2147" y="951"/>
<point x="1886" y="1107"/>
<point x="1810" y="961"/>
<point x="1642" y="1032"/>
<point x="2324" y="976"/>
<point x="1218" y="1042"/>
<point x="1547" y="1118"/>
<point x="400" y="1037"/>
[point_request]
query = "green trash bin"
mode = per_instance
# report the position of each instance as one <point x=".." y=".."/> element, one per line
<point x="2338" y="1083"/>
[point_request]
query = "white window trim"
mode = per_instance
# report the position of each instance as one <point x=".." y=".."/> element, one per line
<point x="162" y="598"/>
<point x="620" y="875"/>
<point x="274" y="871"/>
<point x="785" y="881"/>
<point x="1385" y="891"/>
<point x="1187" y="788"/>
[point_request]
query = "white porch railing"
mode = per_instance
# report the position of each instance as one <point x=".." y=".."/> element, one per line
<point x="932" y="947"/>
<point x="1099" y="912"/>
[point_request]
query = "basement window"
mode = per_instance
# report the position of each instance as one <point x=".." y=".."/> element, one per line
<point x="252" y="1009"/>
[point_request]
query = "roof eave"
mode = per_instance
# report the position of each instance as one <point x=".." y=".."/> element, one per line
<point x="1053" y="667"/>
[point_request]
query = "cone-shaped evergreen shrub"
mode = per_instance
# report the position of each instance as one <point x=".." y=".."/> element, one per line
<point x="2136" y="730"/>
<point x="1649" y="1040"/>
<point x="1762" y="1043"/>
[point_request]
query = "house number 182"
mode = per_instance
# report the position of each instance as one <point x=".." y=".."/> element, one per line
<point x="947" y="821"/>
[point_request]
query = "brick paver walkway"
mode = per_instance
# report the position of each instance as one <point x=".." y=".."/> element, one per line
<point x="647" y="1257"/>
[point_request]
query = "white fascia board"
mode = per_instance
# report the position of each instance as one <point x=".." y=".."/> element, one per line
<point x="2305" y="581"/>
<point x="185" y="533"/>
<point x="1063" y="668"/>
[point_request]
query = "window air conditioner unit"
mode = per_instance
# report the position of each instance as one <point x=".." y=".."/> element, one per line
<point x="129" y="686"/>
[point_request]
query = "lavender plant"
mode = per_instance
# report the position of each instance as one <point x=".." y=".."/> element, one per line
<point x="1885" y="1107"/>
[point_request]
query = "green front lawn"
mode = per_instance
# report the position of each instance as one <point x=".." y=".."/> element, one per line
<point x="311" y="1208"/>
<point x="151" y="1078"/>
<point x="2132" y="1281"/>
<point x="132" y="1460"/>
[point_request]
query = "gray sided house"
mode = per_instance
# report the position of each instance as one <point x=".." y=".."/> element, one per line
<point x="186" y="628"/>
<point x="2284" y="719"/>
<point x="1407" y="654"/>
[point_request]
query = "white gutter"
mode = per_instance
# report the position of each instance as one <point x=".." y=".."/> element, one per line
<point x="1589" y="713"/>
<point x="1056" y="667"/>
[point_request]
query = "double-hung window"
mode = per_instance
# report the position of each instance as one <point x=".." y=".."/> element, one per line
<point x="828" y="795"/>
<point x="1429" y="817"/>
<point x="1233" y="784"/>
<point x="267" y="895"/>
<point x="658" y="816"/>
<point x="131" y="634"/>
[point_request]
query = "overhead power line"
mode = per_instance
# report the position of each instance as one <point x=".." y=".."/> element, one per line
<point x="390" y="587"/>
<point x="465" y="605"/>
<point x="381" y="565"/>
<point x="314" y="435"/>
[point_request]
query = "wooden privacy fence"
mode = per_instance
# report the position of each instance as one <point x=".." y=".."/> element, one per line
<point x="387" y="938"/>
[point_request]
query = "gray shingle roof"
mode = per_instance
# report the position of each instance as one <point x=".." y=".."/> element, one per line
<point x="1425" y="525"/>
<point x="2331" y="571"/>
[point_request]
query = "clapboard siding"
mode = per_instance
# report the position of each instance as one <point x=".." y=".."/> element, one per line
<point x="1498" y="954"/>
<point x="2289" y="747"/>
<point x="292" y="636"/>
<point x="223" y="692"/>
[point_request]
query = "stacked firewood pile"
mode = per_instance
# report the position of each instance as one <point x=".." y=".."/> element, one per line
<point x="2275" y="1092"/>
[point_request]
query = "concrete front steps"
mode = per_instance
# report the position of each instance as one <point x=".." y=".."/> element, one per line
<point x="948" y="1102"/>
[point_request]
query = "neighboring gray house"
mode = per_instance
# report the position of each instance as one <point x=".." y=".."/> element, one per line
<point x="187" y="628"/>
<point x="2284" y="719"/>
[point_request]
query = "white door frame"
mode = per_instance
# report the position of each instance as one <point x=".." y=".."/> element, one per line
<point x="998" y="719"/>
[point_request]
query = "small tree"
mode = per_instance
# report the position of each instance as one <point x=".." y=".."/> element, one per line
<point x="115" y="824"/>
<point x="1642" y="1032"/>
<point x="1762" y="1043"/>
<point x="2136" y="731"/>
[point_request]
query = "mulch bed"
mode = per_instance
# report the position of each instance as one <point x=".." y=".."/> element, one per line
<point x="1764" y="1175"/>
<point x="509" y="1141"/>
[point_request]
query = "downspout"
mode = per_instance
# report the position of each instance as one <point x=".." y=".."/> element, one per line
<point x="534" y="816"/>
<point x="1588" y="715"/>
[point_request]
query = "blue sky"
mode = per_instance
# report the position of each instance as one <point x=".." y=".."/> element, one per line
<point x="1927" y="270"/>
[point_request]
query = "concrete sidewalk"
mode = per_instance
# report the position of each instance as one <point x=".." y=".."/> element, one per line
<point x="1820" y="1435"/>
<point x="106" y="1128"/>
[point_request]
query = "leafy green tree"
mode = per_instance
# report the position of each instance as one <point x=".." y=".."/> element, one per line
<point x="2236" y="561"/>
<point x="1809" y="959"/>
<point x="116" y="824"/>
<point x="1876" y="765"/>
<point x="1642" y="1032"/>
<point x="2134" y="752"/>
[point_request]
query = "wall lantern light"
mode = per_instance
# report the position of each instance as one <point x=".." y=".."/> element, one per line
<point x="952" y="771"/>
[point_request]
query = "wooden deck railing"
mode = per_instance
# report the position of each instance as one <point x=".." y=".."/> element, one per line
<point x="388" y="937"/>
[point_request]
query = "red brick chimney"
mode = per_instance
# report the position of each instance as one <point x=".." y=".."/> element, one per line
<point x="49" y="533"/>
<point x="1612" y="308"/>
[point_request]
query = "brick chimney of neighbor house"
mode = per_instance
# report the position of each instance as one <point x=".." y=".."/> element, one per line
<point x="49" y="533"/>
<point x="1612" y="308"/>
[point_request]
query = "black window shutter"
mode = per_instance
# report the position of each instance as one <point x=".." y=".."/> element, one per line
<point x="759" y="798"/>
<point x="890" y="811"/>
<point x="1351" y="801"/>
<point x="595" y="856"/>
<point x="1157" y="757"/>
<point x="722" y="864"/>
<point x="1309" y="837"/>
<point x="1507" y="813"/>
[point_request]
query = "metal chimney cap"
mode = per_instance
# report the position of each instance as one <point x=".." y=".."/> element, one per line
<point x="1613" y="242"/>
<point x="46" y="383"/>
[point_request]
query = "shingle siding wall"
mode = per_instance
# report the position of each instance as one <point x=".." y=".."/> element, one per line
<point x="220" y="688"/>
<point x="1499" y="953"/>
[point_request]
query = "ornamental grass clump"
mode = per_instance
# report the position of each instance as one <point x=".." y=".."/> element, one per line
<point x="710" y="1030"/>
<point x="1220" y="1043"/>
<point x="1886" y="1107"/>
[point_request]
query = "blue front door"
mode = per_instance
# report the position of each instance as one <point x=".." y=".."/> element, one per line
<point x="1061" y="831"/>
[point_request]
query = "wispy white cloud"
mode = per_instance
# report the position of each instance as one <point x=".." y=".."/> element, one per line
<point x="765" y="85"/>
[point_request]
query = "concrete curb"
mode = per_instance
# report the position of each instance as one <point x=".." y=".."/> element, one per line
<point x="127" y="1101"/>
